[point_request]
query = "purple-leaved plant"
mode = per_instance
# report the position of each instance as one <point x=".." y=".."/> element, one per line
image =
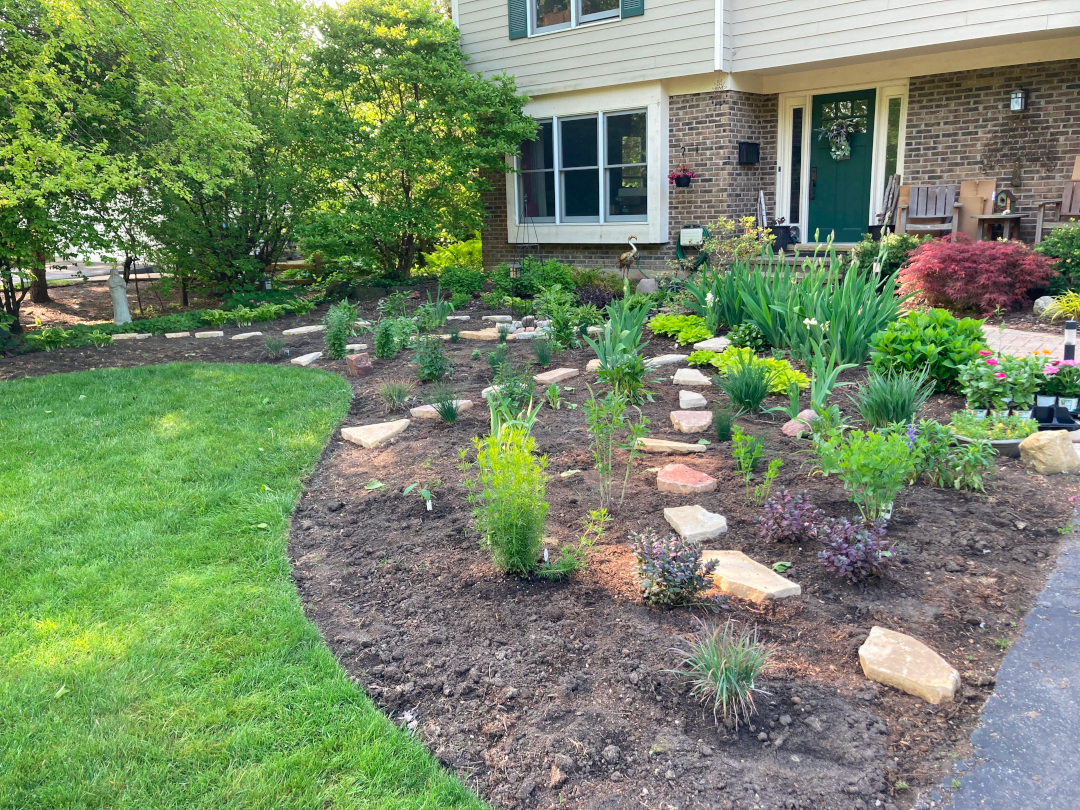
<point x="670" y="568"/>
<point x="857" y="552"/>
<point x="789" y="518"/>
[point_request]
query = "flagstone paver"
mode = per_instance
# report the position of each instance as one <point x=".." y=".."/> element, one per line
<point x="664" y="446"/>
<point x="356" y="347"/>
<point x="738" y="575"/>
<point x="306" y="359"/>
<point x="690" y="376"/>
<point x="429" y="412"/>
<point x="695" y="523"/>
<point x="716" y="344"/>
<point x="479" y="334"/>
<point x="691" y="421"/>
<point x="665" y="360"/>
<point x="246" y="336"/>
<point x="689" y="400"/>
<point x="175" y="335"/>
<point x="211" y="334"/>
<point x="1019" y="342"/>
<point x="593" y="365"/>
<point x="304" y="330"/>
<point x="903" y="662"/>
<point x="678" y="479"/>
<point x="498" y="318"/>
<point x="373" y="435"/>
<point x="556" y="375"/>
<point x="132" y="336"/>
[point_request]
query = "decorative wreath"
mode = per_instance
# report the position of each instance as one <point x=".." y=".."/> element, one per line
<point x="839" y="133"/>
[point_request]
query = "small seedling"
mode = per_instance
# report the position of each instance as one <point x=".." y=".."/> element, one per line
<point x="373" y="484"/>
<point x="475" y="354"/>
<point x="1002" y="643"/>
<point x="554" y="400"/>
<point x="424" y="493"/>
<point x="900" y="784"/>
<point x="781" y="567"/>
<point x="102" y="339"/>
<point x="956" y="784"/>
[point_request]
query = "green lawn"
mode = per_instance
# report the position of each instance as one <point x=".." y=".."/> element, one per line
<point x="153" y="652"/>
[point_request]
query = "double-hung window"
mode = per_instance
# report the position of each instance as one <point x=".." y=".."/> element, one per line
<point x="586" y="168"/>
<point x="552" y="15"/>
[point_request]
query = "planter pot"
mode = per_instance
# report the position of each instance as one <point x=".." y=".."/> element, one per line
<point x="683" y="182"/>
<point x="875" y="232"/>
<point x="783" y="237"/>
<point x="1007" y="448"/>
<point x="1044" y="401"/>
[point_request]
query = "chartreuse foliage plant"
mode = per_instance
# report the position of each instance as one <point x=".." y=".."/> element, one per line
<point x="154" y="652"/>
<point x="934" y="341"/>
<point x="686" y="329"/>
<point x="1063" y="244"/>
<point x="781" y="375"/>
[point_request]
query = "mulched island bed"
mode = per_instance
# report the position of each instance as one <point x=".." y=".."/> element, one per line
<point x="541" y="695"/>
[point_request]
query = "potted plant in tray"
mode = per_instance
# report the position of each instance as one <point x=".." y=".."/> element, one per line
<point x="681" y="176"/>
<point x="1061" y="382"/>
<point x="783" y="235"/>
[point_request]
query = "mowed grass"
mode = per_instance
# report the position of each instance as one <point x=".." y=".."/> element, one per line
<point x="153" y="651"/>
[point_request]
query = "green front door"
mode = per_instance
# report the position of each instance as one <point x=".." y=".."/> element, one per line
<point x="839" y="176"/>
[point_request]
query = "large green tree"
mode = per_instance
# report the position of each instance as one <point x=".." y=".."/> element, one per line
<point x="407" y="134"/>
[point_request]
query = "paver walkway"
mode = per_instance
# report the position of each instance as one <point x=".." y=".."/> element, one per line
<point x="1019" y="342"/>
<point x="1027" y="749"/>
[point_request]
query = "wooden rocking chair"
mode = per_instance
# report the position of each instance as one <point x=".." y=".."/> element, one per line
<point x="930" y="203"/>
<point x="1068" y="211"/>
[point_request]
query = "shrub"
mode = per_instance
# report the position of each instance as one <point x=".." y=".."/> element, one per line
<point x="462" y="280"/>
<point x="533" y="276"/>
<point x="273" y="348"/>
<point x="669" y="568"/>
<point x="685" y="329"/>
<point x="947" y="462"/>
<point x="934" y="341"/>
<point x="723" y="419"/>
<point x="339" y="322"/>
<point x="747" y="336"/>
<point x="216" y="317"/>
<point x="395" y="305"/>
<point x="998" y="382"/>
<point x="781" y="374"/>
<point x="960" y="274"/>
<point x="747" y="384"/>
<point x="395" y="394"/>
<point x="542" y="351"/>
<point x="1063" y="244"/>
<point x="431" y="361"/>
<point x="609" y="429"/>
<point x="892" y="251"/>
<point x="596" y="278"/>
<point x="508" y="497"/>
<point x="892" y="397"/>
<point x="789" y="518"/>
<point x="857" y="553"/>
<point x="386" y="346"/>
<point x="459" y="300"/>
<point x="873" y="467"/>
<point x="723" y="667"/>
<point x="467" y="254"/>
<point x="552" y="299"/>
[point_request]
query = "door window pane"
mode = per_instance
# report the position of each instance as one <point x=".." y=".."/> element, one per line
<point x="551" y="13"/>
<point x="581" y="194"/>
<point x="796" y="166"/>
<point x="892" y="142"/>
<point x="577" y="145"/>
<point x="597" y="10"/>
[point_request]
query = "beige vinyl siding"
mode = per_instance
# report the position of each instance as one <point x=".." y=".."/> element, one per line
<point x="672" y="38"/>
<point x="770" y="35"/>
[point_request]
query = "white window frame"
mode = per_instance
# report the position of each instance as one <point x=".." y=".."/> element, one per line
<point x="577" y="19"/>
<point x="605" y="167"/>
<point x="519" y="178"/>
<point x="805" y="99"/>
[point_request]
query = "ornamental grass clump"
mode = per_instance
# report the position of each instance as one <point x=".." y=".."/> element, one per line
<point x="746" y="384"/>
<point x="446" y="406"/>
<point x="542" y="351"/>
<point x="723" y="666"/>
<point x="892" y="397"/>
<point x="395" y="394"/>
<point x="670" y="569"/>
<point x="508" y="494"/>
<point x="789" y="518"/>
<point x="858" y="552"/>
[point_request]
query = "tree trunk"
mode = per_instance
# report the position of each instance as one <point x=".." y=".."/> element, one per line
<point x="39" y="288"/>
<point x="118" y="291"/>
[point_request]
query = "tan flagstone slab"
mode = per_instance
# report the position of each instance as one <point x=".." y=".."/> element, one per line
<point x="665" y="360"/>
<point x="374" y="435"/>
<point x="246" y="336"/>
<point x="665" y="446"/>
<point x="695" y="523"/>
<point x="556" y="375"/>
<point x="593" y="365"/>
<point x="304" y="330"/>
<point x="689" y="400"/>
<point x="479" y="334"/>
<point x="716" y="344"/>
<point x="691" y="421"/>
<point x="174" y="335"/>
<point x="690" y="376"/>
<point x="678" y="479"/>
<point x="356" y="347"/>
<point x="498" y="318"/>
<point x="306" y="359"/>
<point x="214" y="333"/>
<point x="905" y="663"/>
<point x="429" y="412"/>
<point x="738" y="575"/>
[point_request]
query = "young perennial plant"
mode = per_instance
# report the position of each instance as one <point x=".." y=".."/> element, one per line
<point x="858" y="552"/>
<point x="874" y="467"/>
<point x="789" y="518"/>
<point x="998" y="382"/>
<point x="670" y="569"/>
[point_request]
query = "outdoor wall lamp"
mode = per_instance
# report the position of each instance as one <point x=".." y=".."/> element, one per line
<point x="1070" y="340"/>
<point x="1018" y="100"/>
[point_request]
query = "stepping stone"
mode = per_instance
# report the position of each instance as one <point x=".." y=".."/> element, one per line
<point x="664" y="446"/>
<point x="124" y="336"/>
<point x="594" y="365"/>
<point x="526" y="335"/>
<point x="174" y="335"/>
<point x="429" y="412"/>
<point x="678" y="479"/>
<point x="1049" y="452"/>
<point x="306" y="359"/>
<point x="695" y="523"/>
<point x="356" y="347"/>
<point x="716" y="344"/>
<point x="246" y="336"/>
<point x="359" y="365"/>
<point x="490" y="389"/>
<point x="556" y="375"/>
<point x="362" y="323"/>
<point x="592" y="330"/>
<point x="498" y="318"/>
<point x="459" y="317"/>
<point x="690" y="376"/>
<point x="374" y="435"/>
<point x="691" y="421"/>
<point x="907" y="664"/>
<point x="211" y="334"/>
<point x="738" y="575"/>
<point x="304" y="330"/>
<point x="800" y="424"/>
<point x="665" y="360"/>
<point x="482" y="334"/>
<point x="688" y="400"/>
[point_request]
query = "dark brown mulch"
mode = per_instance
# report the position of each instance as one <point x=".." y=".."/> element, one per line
<point x="541" y="695"/>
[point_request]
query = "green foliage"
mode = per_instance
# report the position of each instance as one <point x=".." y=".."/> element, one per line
<point x="216" y="317"/>
<point x="746" y="450"/>
<point x="508" y="497"/>
<point x="442" y="399"/>
<point x="1063" y="244"/>
<point x="459" y="300"/>
<point x="583" y="277"/>
<point x="1066" y="304"/>
<point x="555" y="298"/>
<point x="432" y="314"/>
<point x="339" y="323"/>
<point x="273" y="348"/>
<point x="299" y="306"/>
<point x="394" y="305"/>
<point x="542" y="351"/>
<point x="998" y="427"/>
<point x="475" y="354"/>
<point x="553" y="396"/>
<point x="386" y="345"/>
<point x="499" y="357"/>
<point x="611" y="428"/>
<point x="723" y="666"/>
<point x="887" y="254"/>
<point x="49" y="338"/>
<point x="716" y="297"/>
<point x="242" y="316"/>
<point x="779" y="373"/>
<point x="395" y="393"/>
<point x="686" y="329"/>
<point x="573" y="557"/>
<point x="515" y="387"/>
<point x="267" y="312"/>
<point x="431" y="361"/>
<point x="534" y="275"/>
<point x="747" y="336"/>
<point x="723" y="421"/>
<point x="100" y="338"/>
<point x="670" y="568"/>
<point x="892" y="397"/>
<point x="1000" y="382"/>
<point x="933" y="340"/>
<point x="948" y="462"/>
<point x="746" y="382"/>
<point x="873" y="467"/>
<point x="619" y="347"/>
<point x="463" y="260"/>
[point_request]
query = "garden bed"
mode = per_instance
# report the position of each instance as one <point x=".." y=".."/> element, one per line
<point x="541" y="694"/>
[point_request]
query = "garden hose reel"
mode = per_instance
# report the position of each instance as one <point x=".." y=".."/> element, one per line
<point x="692" y="236"/>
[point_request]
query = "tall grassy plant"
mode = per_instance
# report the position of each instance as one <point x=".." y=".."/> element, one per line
<point x="746" y="383"/>
<point x="892" y="397"/>
<point x="619" y="349"/>
<point x="716" y="296"/>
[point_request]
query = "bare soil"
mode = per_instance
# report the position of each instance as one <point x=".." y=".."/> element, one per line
<point x="543" y="694"/>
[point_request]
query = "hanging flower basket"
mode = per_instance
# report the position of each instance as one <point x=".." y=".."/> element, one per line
<point x="681" y="176"/>
<point x="839" y="133"/>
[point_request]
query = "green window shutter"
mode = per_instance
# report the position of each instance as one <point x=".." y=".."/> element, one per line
<point x="632" y="8"/>
<point x="517" y="13"/>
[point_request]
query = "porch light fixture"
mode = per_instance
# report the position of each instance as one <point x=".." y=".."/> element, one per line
<point x="1070" y="340"/>
<point x="1018" y="100"/>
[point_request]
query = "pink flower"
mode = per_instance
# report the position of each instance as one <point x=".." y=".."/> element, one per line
<point x="1068" y="363"/>
<point x="985" y="353"/>
<point x="993" y="361"/>
<point x="1050" y="370"/>
<point x="1001" y="375"/>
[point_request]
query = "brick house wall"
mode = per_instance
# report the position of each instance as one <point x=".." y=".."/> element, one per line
<point x="959" y="127"/>
<point x="704" y="130"/>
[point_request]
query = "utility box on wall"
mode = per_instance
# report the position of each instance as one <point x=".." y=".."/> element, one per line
<point x="749" y="153"/>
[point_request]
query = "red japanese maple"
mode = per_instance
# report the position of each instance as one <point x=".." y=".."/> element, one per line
<point x="959" y="274"/>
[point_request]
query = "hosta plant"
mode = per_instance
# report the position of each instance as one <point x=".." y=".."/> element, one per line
<point x="932" y="341"/>
<point x="685" y="329"/>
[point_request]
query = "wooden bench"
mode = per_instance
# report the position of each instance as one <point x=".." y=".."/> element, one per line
<point x="1068" y="211"/>
<point x="930" y="203"/>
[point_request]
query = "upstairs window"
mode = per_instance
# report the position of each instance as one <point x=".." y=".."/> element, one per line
<point x="554" y="15"/>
